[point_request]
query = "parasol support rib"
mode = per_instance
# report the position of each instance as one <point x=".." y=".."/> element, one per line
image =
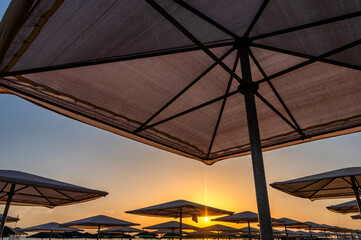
<point x="6" y="210"/>
<point x="222" y="107"/>
<point x="302" y="55"/>
<point x="206" y="18"/>
<point x="94" y="62"/>
<point x="309" y="25"/>
<point x="356" y="191"/>
<point x="191" y="37"/>
<point x="255" y="19"/>
<point x="140" y="128"/>
<point x="312" y="60"/>
<point x="255" y="144"/>
<point x="303" y="135"/>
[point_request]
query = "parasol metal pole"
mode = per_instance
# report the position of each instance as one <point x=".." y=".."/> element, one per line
<point x="180" y="223"/>
<point x="355" y="189"/>
<point x="98" y="232"/>
<point x="310" y="232"/>
<point x="51" y="234"/>
<point x="249" y="231"/>
<point x="286" y="231"/>
<point x="6" y="210"/>
<point x="248" y="89"/>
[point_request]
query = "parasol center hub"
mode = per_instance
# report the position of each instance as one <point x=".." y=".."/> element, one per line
<point x="248" y="87"/>
<point x="242" y="42"/>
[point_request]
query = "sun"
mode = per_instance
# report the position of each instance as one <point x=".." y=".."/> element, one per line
<point x="206" y="219"/>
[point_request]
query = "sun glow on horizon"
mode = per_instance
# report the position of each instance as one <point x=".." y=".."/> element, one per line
<point x="206" y="219"/>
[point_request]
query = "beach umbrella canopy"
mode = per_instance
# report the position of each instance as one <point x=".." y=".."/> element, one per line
<point x="289" y="223"/>
<point x="25" y="189"/>
<point x="146" y="234"/>
<point x="220" y="228"/>
<point x="121" y="230"/>
<point x="341" y="183"/>
<point x="347" y="207"/>
<point x="171" y="225"/>
<point x="245" y="230"/>
<point x="203" y="234"/>
<point x="50" y="228"/>
<point x="170" y="232"/>
<point x="13" y="231"/>
<point x="316" y="226"/>
<point x="242" y="217"/>
<point x="98" y="222"/>
<point x="10" y="219"/>
<point x="179" y="209"/>
<point x="192" y="77"/>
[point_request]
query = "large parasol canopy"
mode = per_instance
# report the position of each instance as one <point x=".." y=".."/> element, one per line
<point x="172" y="226"/>
<point x="204" y="79"/>
<point x="179" y="209"/>
<point x="341" y="183"/>
<point x="51" y="228"/>
<point x="98" y="222"/>
<point x="347" y="207"/>
<point x="218" y="228"/>
<point x="25" y="189"/>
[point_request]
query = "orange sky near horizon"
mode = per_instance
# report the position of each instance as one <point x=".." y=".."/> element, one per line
<point x="137" y="175"/>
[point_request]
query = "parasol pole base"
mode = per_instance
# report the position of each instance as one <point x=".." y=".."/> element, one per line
<point x="6" y="210"/>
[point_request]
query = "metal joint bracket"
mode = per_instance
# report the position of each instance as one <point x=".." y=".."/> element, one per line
<point x="242" y="42"/>
<point x="248" y="87"/>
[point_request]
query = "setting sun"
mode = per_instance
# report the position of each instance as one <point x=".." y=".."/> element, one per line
<point x="206" y="219"/>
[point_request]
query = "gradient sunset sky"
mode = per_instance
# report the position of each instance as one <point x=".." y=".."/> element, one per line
<point x="41" y="142"/>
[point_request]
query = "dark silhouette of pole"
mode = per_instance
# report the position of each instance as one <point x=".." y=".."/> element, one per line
<point x="248" y="89"/>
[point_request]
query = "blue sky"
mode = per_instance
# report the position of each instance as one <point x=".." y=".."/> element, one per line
<point x="39" y="141"/>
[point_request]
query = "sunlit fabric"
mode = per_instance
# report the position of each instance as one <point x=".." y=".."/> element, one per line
<point x="347" y="207"/>
<point x="123" y="67"/>
<point x="172" y="225"/>
<point x="39" y="191"/>
<point x="49" y="227"/>
<point x="99" y="221"/>
<point x="179" y="208"/>
<point x="333" y="184"/>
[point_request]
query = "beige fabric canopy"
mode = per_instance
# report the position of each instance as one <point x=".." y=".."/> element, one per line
<point x="144" y="81"/>
<point x="34" y="190"/>
<point x="332" y="184"/>
<point x="347" y="207"/>
<point x="180" y="209"/>
<point x="19" y="188"/>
